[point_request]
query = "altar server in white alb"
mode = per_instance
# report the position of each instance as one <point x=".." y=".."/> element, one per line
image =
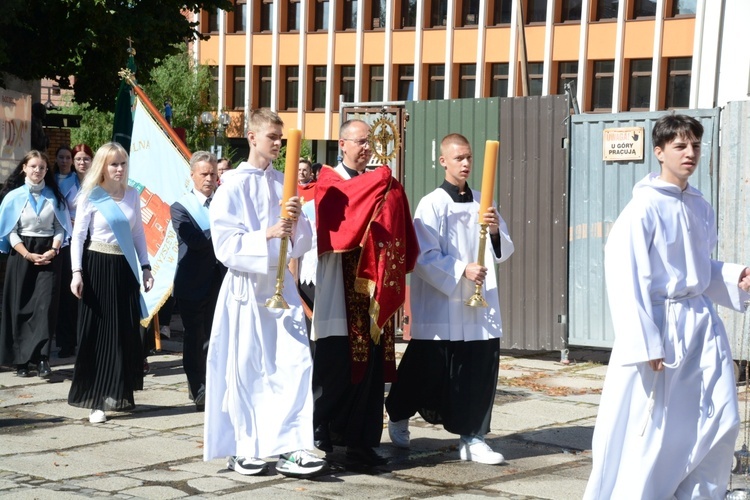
<point x="668" y="417"/>
<point x="258" y="376"/>
<point x="449" y="370"/>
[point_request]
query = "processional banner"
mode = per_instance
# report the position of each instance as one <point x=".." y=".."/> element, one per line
<point x="161" y="173"/>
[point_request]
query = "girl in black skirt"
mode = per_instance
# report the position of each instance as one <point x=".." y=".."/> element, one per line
<point x="34" y="223"/>
<point x="109" y="364"/>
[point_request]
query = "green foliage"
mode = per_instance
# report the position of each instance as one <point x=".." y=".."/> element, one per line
<point x="305" y="151"/>
<point x="177" y="79"/>
<point x="96" y="126"/>
<point x="88" y="39"/>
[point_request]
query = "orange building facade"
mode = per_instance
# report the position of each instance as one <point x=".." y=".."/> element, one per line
<point x="303" y="58"/>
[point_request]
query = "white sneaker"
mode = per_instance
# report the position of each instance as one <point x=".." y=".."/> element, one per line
<point x="399" y="432"/>
<point x="300" y="464"/>
<point x="247" y="466"/>
<point x="479" y="452"/>
<point x="97" y="417"/>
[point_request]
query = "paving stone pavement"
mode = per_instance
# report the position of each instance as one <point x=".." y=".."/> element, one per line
<point x="542" y="422"/>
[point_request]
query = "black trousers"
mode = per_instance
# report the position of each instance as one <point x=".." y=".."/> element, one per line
<point x="448" y="383"/>
<point x="307" y="294"/>
<point x="197" y="317"/>
<point x="351" y="413"/>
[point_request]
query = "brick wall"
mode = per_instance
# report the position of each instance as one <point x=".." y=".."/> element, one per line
<point x="57" y="137"/>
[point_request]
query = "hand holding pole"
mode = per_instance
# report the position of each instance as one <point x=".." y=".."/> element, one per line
<point x="488" y="189"/>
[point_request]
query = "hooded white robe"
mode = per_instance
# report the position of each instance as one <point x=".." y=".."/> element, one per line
<point x="661" y="282"/>
<point x="259" y="370"/>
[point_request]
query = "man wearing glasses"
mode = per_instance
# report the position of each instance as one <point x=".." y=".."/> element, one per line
<point x="354" y="347"/>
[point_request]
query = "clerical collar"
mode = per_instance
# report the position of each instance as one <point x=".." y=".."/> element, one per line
<point x="452" y="190"/>
<point x="351" y="172"/>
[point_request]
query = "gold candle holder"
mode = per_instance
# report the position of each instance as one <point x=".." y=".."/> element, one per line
<point x="477" y="300"/>
<point x="276" y="301"/>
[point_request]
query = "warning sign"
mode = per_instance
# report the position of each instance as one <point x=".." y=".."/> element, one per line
<point x="624" y="143"/>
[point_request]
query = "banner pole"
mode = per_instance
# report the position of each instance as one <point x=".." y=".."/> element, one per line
<point x="128" y="77"/>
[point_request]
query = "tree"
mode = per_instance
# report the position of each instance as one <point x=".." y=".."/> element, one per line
<point x="88" y="39"/>
<point x="305" y="151"/>
<point x="174" y="78"/>
<point x="177" y="79"/>
<point x="95" y="128"/>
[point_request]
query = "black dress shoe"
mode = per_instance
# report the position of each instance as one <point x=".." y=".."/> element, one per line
<point x="66" y="352"/>
<point x="322" y="440"/>
<point x="200" y="398"/>
<point x="22" y="370"/>
<point x="44" y="369"/>
<point x="363" y="455"/>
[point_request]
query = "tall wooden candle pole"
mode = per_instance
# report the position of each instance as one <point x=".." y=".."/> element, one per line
<point x="293" y="145"/>
<point x="488" y="189"/>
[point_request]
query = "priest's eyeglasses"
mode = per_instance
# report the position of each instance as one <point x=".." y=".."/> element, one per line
<point x="360" y="142"/>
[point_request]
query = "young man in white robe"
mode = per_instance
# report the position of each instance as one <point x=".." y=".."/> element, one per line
<point x="449" y="370"/>
<point x="668" y="417"/>
<point x="258" y="381"/>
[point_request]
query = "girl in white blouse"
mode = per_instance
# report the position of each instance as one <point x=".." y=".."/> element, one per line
<point x="106" y="277"/>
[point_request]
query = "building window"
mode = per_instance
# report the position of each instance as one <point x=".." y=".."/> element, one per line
<point x="238" y="87"/>
<point x="291" y="89"/>
<point x="571" y="10"/>
<point x="319" y="87"/>
<point x="409" y="13"/>
<point x="678" y="82"/>
<point x="684" y="7"/>
<point x="467" y="74"/>
<point x="438" y="13"/>
<point x="213" y="21"/>
<point x="406" y="82"/>
<point x="436" y="86"/>
<point x="264" y="86"/>
<point x="376" y="83"/>
<point x="501" y="11"/>
<point x="536" y="11"/>
<point x="644" y="8"/>
<point x="240" y="16"/>
<point x="566" y="72"/>
<point x="470" y="12"/>
<point x="350" y="14"/>
<point x="213" y="90"/>
<point x="266" y="16"/>
<point x="535" y="72"/>
<point x="377" y="14"/>
<point x="346" y="85"/>
<point x="639" y="93"/>
<point x="321" y="15"/>
<point x="601" y="90"/>
<point x="499" y="83"/>
<point x="606" y="9"/>
<point x="292" y="15"/>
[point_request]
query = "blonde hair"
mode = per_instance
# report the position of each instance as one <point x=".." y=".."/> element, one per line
<point x="453" y="139"/>
<point x="102" y="158"/>
<point x="259" y="118"/>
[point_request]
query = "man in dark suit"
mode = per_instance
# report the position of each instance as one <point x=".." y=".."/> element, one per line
<point x="199" y="274"/>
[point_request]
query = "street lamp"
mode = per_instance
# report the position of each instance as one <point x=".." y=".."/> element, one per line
<point x="207" y="118"/>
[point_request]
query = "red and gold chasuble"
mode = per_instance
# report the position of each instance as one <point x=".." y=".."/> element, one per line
<point x="367" y="219"/>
